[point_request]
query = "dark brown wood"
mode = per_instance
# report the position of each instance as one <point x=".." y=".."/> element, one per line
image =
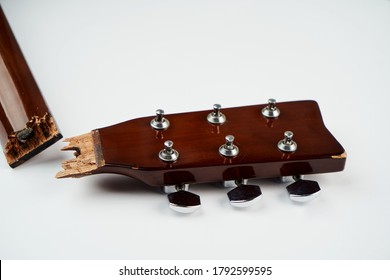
<point x="21" y="139"/>
<point x="131" y="148"/>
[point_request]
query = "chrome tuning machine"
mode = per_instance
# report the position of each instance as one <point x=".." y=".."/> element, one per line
<point x="168" y="154"/>
<point x="271" y="111"/>
<point x="287" y="145"/>
<point x="243" y="195"/>
<point x="181" y="200"/>
<point x="229" y="149"/>
<point x="159" y="122"/>
<point x="303" y="190"/>
<point x="216" y="116"/>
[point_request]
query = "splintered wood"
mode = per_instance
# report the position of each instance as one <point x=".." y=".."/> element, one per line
<point x="86" y="159"/>
<point x="343" y="155"/>
<point x="38" y="133"/>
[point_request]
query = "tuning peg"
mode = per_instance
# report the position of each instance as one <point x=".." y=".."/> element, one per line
<point x="271" y="111"/>
<point x="181" y="200"/>
<point x="168" y="154"/>
<point x="287" y="144"/>
<point x="229" y="149"/>
<point x="243" y="195"/>
<point x="216" y="117"/>
<point x="159" y="122"/>
<point x="303" y="190"/>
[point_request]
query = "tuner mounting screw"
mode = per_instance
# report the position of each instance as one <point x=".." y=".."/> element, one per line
<point x="168" y="154"/>
<point x="216" y="117"/>
<point x="159" y="122"/>
<point x="229" y="149"/>
<point x="271" y="111"/>
<point x="287" y="144"/>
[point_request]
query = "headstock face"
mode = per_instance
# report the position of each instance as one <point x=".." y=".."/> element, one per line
<point x="134" y="145"/>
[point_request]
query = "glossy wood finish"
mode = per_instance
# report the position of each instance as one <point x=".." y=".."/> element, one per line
<point x="25" y="102"/>
<point x="132" y="147"/>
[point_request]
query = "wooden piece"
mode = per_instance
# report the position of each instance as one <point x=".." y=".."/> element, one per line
<point x="27" y="126"/>
<point x="131" y="148"/>
<point x="86" y="154"/>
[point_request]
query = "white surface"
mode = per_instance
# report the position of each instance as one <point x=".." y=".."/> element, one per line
<point x="102" y="62"/>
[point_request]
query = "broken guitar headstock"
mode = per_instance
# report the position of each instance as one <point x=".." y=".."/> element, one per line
<point x="229" y="145"/>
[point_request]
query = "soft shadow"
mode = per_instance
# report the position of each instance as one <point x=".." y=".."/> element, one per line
<point x="113" y="183"/>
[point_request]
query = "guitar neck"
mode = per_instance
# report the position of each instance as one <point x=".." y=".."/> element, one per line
<point x="26" y="124"/>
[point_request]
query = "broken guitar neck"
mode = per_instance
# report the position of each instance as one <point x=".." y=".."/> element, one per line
<point x="27" y="127"/>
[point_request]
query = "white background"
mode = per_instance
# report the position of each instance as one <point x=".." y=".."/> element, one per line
<point x="102" y="62"/>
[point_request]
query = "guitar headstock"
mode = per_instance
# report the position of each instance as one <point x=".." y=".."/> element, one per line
<point x="227" y="145"/>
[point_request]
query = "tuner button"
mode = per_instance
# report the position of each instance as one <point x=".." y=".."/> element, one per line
<point x="244" y="195"/>
<point x="271" y="111"/>
<point x="216" y="117"/>
<point x="159" y="122"/>
<point x="287" y="144"/>
<point x="184" y="201"/>
<point x="303" y="190"/>
<point x="181" y="200"/>
<point x="229" y="149"/>
<point x="168" y="154"/>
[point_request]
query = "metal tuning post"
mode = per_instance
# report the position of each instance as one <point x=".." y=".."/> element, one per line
<point x="159" y="122"/>
<point x="243" y="195"/>
<point x="216" y="117"/>
<point x="181" y="200"/>
<point x="303" y="190"/>
<point x="271" y="111"/>
<point x="168" y="154"/>
<point x="229" y="149"/>
<point x="234" y="183"/>
<point x="287" y="144"/>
